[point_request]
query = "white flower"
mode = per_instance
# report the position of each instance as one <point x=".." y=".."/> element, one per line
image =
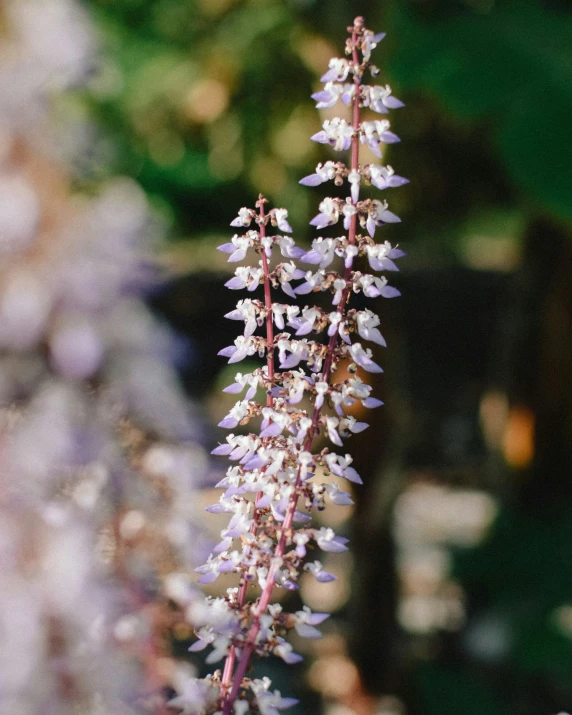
<point x="305" y="620"/>
<point x="328" y="541"/>
<point x="197" y="697"/>
<point x="270" y="703"/>
<point x="380" y="99"/>
<point x="244" y="217"/>
<point x="338" y="70"/>
<point x="369" y="42"/>
<point x="374" y="132"/>
<point x="336" y="132"/>
<point x="354" y="178"/>
<point x="339" y="286"/>
<point x="245" y="310"/>
<point x="281" y="216"/>
<point x="363" y="358"/>
<point x="317" y="570"/>
<point x="367" y="323"/>
<point x="322" y="253"/>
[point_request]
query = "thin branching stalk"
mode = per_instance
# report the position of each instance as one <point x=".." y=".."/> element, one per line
<point x="276" y="483"/>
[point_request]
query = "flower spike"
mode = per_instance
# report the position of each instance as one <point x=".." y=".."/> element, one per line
<point x="273" y="482"/>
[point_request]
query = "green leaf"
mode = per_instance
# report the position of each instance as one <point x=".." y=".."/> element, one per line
<point x="511" y="68"/>
<point x="446" y="692"/>
<point x="534" y="142"/>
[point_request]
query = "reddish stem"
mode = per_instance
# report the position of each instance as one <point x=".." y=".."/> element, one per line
<point x="249" y="646"/>
<point x="231" y="658"/>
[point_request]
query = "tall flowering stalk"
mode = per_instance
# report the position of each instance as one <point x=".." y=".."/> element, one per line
<point x="274" y="484"/>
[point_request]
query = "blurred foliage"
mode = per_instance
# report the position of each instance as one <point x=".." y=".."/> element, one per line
<point x="515" y="654"/>
<point x="207" y="102"/>
<point x="508" y="63"/>
<point x="201" y="97"/>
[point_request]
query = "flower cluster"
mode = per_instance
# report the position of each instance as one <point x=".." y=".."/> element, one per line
<point x="274" y="481"/>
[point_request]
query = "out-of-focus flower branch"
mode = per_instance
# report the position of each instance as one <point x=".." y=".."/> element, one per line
<point x="98" y="458"/>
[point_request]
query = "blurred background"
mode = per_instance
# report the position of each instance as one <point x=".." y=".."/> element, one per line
<point x="457" y="595"/>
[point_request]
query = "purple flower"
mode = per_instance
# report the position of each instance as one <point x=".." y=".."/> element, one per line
<point x="338" y="70"/>
<point x="329" y="213"/>
<point x="363" y="358"/>
<point x="383" y="177"/>
<point x="328" y="541"/>
<point x="319" y="573"/>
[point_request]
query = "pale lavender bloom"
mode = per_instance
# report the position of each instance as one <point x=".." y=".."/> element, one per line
<point x="319" y="573"/>
<point x="332" y="424"/>
<point x="301" y="539"/>
<point x="328" y="541"/>
<point x="339" y="287"/>
<point x="270" y="703"/>
<point x="336" y="132"/>
<point x="379" y="215"/>
<point x="279" y="310"/>
<point x="371" y="402"/>
<point x="288" y="248"/>
<point x="223" y="449"/>
<point x="367" y="323"/>
<point x="235" y="416"/>
<point x="348" y="210"/>
<point x="273" y="430"/>
<point x="244" y="218"/>
<point x="353" y="425"/>
<point x="305" y="424"/>
<point x="383" y="177"/>
<point x="329" y="213"/>
<point x="339" y="498"/>
<point x="281" y="216"/>
<point x="286" y="273"/>
<point x="374" y="132"/>
<point x="380" y="256"/>
<point x="370" y="42"/>
<point x="354" y="178"/>
<point x="245" y="277"/>
<point x="336" y="323"/>
<point x="327" y="97"/>
<point x="196" y="697"/>
<point x="340" y="466"/>
<point x="380" y="99"/>
<point x="210" y="571"/>
<point x="251" y="379"/>
<point x="348" y="93"/>
<point x="350" y="253"/>
<point x="374" y="286"/>
<point x="246" y="311"/>
<point x="338" y="70"/>
<point x="324" y="172"/>
<point x="205" y="637"/>
<point x="305" y="620"/>
<point x="322" y="389"/>
<point x="238" y="246"/>
<point x="322" y="252"/>
<point x="363" y="358"/>
<point x="305" y="323"/>
<point x="312" y="282"/>
<point x="243" y="347"/>
<point x="284" y="650"/>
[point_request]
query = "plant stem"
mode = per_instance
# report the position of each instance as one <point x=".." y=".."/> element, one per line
<point x="249" y="646"/>
<point x="231" y="657"/>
